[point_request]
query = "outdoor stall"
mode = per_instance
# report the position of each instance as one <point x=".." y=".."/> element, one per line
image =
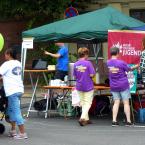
<point x="129" y="43"/>
<point x="91" y="27"/>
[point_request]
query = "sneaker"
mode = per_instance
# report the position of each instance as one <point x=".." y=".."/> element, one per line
<point x="114" y="124"/>
<point x="82" y="122"/>
<point x="21" y="136"/>
<point x="89" y="122"/>
<point x="128" y="124"/>
<point x="12" y="133"/>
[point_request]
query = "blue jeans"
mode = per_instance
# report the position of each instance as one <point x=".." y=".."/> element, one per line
<point x="122" y="95"/>
<point x="14" y="110"/>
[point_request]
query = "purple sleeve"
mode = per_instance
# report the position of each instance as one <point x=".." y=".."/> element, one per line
<point x="126" y="67"/>
<point x="91" y="68"/>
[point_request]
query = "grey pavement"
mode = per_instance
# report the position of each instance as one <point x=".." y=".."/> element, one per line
<point x="25" y="100"/>
<point x="59" y="131"/>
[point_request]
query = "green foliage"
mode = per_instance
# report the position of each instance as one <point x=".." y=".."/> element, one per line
<point x="38" y="53"/>
<point x="72" y="57"/>
<point x="27" y="9"/>
<point x="37" y="12"/>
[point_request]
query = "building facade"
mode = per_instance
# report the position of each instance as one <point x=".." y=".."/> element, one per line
<point x="134" y="8"/>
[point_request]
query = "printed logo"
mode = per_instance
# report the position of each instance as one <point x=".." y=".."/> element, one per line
<point x="126" y="49"/>
<point x="113" y="69"/>
<point x="16" y="71"/>
<point x="81" y="68"/>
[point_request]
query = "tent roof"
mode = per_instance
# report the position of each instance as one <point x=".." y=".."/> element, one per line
<point x="141" y="28"/>
<point x="90" y="26"/>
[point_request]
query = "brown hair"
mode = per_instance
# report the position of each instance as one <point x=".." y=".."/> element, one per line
<point x="143" y="43"/>
<point x="83" y="51"/>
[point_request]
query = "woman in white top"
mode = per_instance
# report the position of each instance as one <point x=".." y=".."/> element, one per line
<point x="10" y="72"/>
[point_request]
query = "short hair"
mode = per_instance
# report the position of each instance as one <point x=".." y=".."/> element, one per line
<point x="11" y="52"/>
<point x="143" y="43"/>
<point x="83" y="51"/>
<point x="114" y="51"/>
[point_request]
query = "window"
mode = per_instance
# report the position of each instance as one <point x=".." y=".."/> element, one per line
<point x="138" y="14"/>
<point x="95" y="50"/>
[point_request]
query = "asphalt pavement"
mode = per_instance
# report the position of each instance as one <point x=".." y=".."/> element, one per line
<point x="57" y="130"/>
<point x="60" y="131"/>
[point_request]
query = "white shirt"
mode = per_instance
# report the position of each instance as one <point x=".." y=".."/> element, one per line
<point x="11" y="73"/>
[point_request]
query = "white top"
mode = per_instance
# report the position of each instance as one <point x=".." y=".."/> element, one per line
<point x="11" y="73"/>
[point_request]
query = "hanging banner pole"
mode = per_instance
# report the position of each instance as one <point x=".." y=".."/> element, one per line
<point x="26" y="44"/>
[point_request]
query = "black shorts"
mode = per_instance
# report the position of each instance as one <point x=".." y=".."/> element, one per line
<point x="60" y="74"/>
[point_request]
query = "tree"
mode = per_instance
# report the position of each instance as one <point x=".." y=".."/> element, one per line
<point x="42" y="10"/>
<point x="37" y="12"/>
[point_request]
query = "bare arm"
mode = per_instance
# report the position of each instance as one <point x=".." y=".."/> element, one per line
<point x="134" y="67"/>
<point x="92" y="75"/>
<point x="51" y="54"/>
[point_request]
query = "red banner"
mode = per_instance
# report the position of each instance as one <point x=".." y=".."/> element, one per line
<point x="129" y="44"/>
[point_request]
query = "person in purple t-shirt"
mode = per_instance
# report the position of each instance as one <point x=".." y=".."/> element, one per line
<point x="83" y="72"/>
<point x="119" y="85"/>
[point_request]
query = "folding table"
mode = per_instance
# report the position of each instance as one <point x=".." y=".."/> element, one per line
<point x="65" y="91"/>
<point x="34" y="84"/>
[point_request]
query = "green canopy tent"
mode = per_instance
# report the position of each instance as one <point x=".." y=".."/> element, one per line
<point x="92" y="26"/>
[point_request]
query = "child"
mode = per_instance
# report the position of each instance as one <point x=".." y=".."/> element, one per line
<point x="119" y="85"/>
<point x="83" y="72"/>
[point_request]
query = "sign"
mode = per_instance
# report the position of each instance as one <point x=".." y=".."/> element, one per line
<point x="28" y="43"/>
<point x="129" y="44"/>
<point x="132" y="79"/>
<point x="71" y="12"/>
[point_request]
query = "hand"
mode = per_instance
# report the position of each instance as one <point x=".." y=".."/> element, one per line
<point x="45" y="52"/>
<point x="137" y="65"/>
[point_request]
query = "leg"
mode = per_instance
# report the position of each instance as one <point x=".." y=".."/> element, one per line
<point x="9" y="113"/>
<point x="16" y="116"/>
<point x="115" y="109"/>
<point x="81" y="95"/>
<point x="125" y="97"/>
<point x="87" y="101"/>
<point x="127" y="109"/>
<point x="21" y="128"/>
<point x="12" y="131"/>
<point x="13" y="125"/>
<point x="15" y="112"/>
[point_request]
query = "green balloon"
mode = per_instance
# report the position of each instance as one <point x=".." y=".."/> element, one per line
<point x="1" y="42"/>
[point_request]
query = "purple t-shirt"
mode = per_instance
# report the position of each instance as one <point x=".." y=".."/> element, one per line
<point x="82" y="71"/>
<point x="117" y="74"/>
